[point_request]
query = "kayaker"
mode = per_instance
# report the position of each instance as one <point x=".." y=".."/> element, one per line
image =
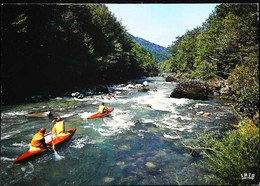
<point x="102" y="108"/>
<point x="58" y="127"/>
<point x="38" y="141"/>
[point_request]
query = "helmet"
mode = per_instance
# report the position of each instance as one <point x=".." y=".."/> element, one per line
<point x="42" y="130"/>
<point x="59" y="118"/>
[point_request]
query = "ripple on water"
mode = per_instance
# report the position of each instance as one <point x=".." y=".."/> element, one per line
<point x="80" y="142"/>
<point x="120" y="121"/>
<point x="22" y="144"/>
<point x="7" y="115"/>
<point x="7" y="159"/>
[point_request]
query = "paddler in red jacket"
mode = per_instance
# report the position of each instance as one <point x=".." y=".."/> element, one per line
<point x="38" y="141"/>
<point x="58" y="128"/>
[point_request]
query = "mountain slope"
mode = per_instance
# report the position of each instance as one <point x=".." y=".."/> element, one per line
<point x="158" y="52"/>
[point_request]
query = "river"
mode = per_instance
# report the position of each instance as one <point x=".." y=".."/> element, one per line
<point x="135" y="144"/>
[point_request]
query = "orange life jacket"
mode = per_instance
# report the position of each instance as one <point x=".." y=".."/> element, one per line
<point x="37" y="140"/>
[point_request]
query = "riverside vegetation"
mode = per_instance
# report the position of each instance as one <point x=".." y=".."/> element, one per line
<point x="226" y="47"/>
<point x="50" y="49"/>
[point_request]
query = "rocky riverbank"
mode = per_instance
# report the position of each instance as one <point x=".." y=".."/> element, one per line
<point x="72" y="100"/>
<point x="201" y="90"/>
<point x="217" y="87"/>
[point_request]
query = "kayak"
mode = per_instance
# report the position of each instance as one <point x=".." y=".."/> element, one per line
<point x="97" y="115"/>
<point x="56" y="140"/>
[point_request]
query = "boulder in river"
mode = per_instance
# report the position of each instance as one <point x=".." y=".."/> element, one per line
<point x="206" y="114"/>
<point x="77" y="95"/>
<point x="170" y="78"/>
<point x="199" y="113"/>
<point x="197" y="90"/>
<point x="143" y="89"/>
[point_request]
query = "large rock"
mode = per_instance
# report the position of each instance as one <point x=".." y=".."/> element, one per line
<point x="77" y="95"/>
<point x="197" y="90"/>
<point x="170" y="78"/>
<point x="143" y="89"/>
<point x="220" y="87"/>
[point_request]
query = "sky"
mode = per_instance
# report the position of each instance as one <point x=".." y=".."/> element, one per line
<point x="161" y="23"/>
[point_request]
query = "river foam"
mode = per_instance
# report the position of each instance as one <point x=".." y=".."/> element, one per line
<point x="119" y="121"/>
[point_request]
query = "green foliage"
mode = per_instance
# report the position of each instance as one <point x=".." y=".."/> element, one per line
<point x="245" y="81"/>
<point x="184" y="53"/>
<point x="237" y="153"/>
<point x="226" y="46"/>
<point x="50" y="49"/>
<point x="226" y="39"/>
<point x="158" y="56"/>
<point x="158" y="52"/>
<point x="165" y="66"/>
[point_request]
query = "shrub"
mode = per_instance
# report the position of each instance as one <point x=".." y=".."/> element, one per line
<point x="235" y="154"/>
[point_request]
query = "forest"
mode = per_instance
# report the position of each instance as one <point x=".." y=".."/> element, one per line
<point x="158" y="52"/>
<point x="50" y="49"/>
<point x="226" y="47"/>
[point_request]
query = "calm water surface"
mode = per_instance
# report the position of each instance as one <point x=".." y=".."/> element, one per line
<point x="136" y="144"/>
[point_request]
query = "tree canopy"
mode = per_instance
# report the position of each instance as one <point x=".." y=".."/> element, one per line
<point x="47" y="49"/>
<point x="225" y="46"/>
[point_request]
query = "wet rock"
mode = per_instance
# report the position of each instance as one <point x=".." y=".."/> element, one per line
<point x="220" y="87"/>
<point x="197" y="90"/>
<point x="193" y="107"/>
<point x="130" y="87"/>
<point x="40" y="114"/>
<point x="121" y="164"/>
<point x="108" y="179"/>
<point x="110" y="96"/>
<point x="61" y="109"/>
<point x="138" y="85"/>
<point x="77" y="95"/>
<point x="150" y="165"/>
<point x="199" y="113"/>
<point x="143" y="89"/>
<point x="170" y="78"/>
<point x="206" y="114"/>
<point x="58" y="98"/>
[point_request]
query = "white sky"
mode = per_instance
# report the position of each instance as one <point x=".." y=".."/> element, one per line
<point x="161" y="23"/>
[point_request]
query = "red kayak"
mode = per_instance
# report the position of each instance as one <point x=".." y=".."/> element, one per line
<point x="56" y="141"/>
<point x="97" y="115"/>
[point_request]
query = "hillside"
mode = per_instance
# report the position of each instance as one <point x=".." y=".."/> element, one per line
<point x="158" y="52"/>
<point x="40" y="41"/>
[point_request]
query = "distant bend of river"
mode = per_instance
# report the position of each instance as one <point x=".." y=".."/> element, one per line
<point x="135" y="144"/>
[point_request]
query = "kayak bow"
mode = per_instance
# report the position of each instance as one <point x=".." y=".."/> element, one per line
<point x="97" y="115"/>
<point x="57" y="140"/>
